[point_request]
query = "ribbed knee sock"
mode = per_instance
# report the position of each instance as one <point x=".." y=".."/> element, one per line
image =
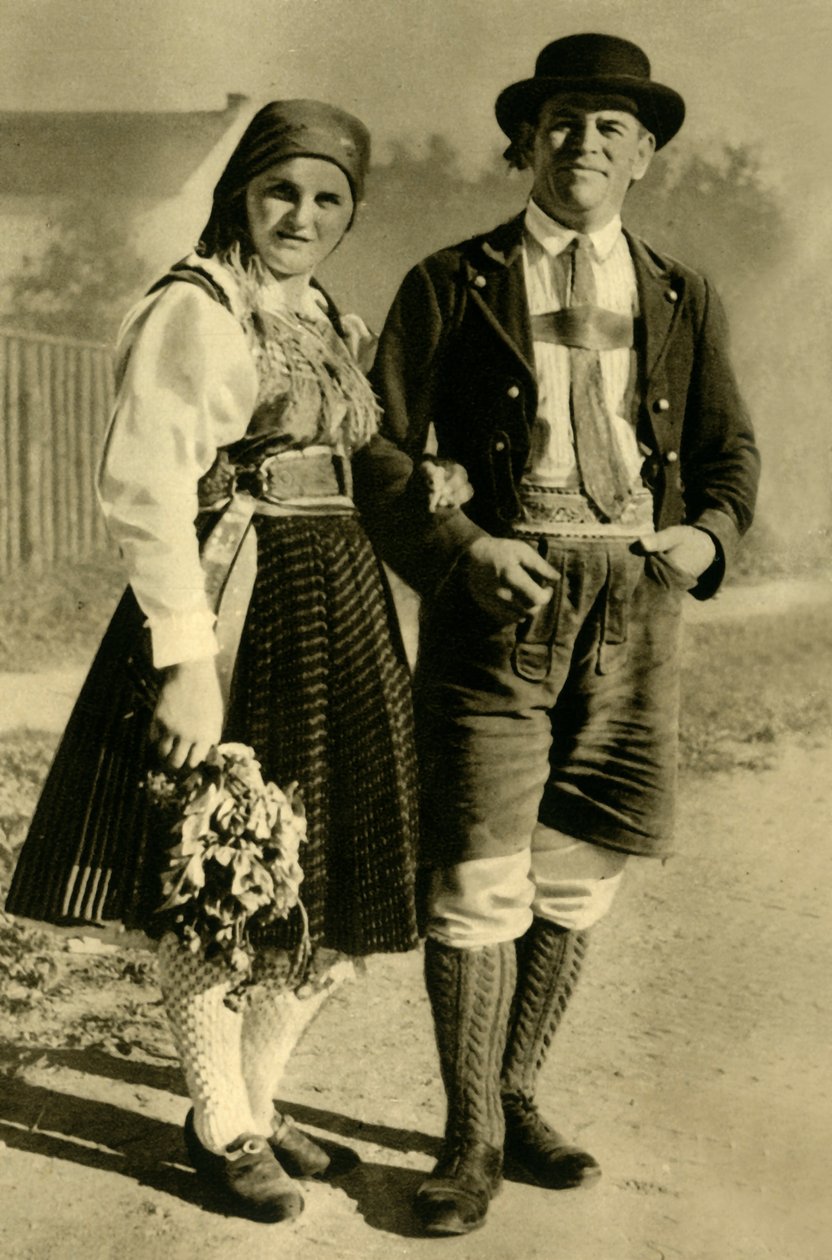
<point x="470" y="992"/>
<point x="550" y="959"/>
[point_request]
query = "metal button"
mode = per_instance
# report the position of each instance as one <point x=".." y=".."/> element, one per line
<point x="671" y="457"/>
<point x="661" y="404"/>
<point x="499" y="445"/>
<point x="513" y="391"/>
<point x="479" y="281"/>
<point x="672" y="295"/>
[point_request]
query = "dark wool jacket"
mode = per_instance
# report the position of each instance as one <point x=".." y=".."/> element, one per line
<point x="456" y="353"/>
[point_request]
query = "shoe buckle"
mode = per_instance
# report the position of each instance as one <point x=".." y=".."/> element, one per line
<point x="246" y="1146"/>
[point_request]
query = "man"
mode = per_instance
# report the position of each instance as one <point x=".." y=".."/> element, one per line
<point x="581" y="380"/>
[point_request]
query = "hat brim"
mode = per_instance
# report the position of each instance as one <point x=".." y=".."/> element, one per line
<point x="660" y="109"/>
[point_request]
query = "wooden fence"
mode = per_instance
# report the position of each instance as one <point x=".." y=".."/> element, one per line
<point x="55" y="399"/>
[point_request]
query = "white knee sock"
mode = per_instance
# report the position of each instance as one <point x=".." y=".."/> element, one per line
<point x="208" y="1037"/>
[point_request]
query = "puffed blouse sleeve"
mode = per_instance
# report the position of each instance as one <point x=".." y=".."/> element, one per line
<point x="186" y="385"/>
<point x="360" y="341"/>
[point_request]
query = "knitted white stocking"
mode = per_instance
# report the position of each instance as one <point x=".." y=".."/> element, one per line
<point x="274" y="1020"/>
<point x="208" y="1038"/>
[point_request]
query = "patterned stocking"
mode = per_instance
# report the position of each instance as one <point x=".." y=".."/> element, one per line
<point x="208" y="1038"/>
<point x="470" y="992"/>
<point x="274" y="1020"/>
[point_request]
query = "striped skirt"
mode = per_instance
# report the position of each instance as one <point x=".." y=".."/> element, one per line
<point x="320" y="691"/>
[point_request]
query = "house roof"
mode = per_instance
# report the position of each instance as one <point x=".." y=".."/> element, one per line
<point x="120" y="154"/>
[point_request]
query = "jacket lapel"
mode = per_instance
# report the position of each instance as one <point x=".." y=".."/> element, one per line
<point x="660" y="294"/>
<point x="497" y="286"/>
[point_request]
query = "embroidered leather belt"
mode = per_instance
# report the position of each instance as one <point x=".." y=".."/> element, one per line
<point x="554" y="511"/>
<point x="288" y="477"/>
<point x="310" y="482"/>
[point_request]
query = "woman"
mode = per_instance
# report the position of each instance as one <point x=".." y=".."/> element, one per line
<point x="239" y="404"/>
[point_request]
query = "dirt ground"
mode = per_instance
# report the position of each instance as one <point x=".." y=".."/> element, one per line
<point x="694" y="1064"/>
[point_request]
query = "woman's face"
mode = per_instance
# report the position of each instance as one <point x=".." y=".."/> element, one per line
<point x="298" y="210"/>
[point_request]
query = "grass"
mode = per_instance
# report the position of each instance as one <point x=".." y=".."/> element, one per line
<point x="55" y="620"/>
<point x="24" y="760"/>
<point x="748" y="683"/>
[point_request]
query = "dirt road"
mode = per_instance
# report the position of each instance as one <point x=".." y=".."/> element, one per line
<point x="694" y="1064"/>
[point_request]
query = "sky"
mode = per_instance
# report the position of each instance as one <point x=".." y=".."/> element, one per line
<point x="752" y="71"/>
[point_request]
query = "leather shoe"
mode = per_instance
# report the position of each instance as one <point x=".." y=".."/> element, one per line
<point x="455" y="1197"/>
<point x="547" y="1156"/>
<point x="301" y="1156"/>
<point x="247" y="1176"/>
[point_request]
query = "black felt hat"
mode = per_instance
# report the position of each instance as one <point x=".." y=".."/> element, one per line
<point x="599" y="64"/>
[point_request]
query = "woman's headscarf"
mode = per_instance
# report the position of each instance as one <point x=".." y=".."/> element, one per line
<point x="284" y="129"/>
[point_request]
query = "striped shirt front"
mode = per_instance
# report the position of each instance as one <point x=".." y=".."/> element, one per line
<point x="552" y="459"/>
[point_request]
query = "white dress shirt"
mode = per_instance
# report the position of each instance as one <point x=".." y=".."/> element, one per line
<point x="552" y="460"/>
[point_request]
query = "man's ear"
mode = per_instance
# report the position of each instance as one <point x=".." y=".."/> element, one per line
<point x="644" y="155"/>
<point x="520" y="153"/>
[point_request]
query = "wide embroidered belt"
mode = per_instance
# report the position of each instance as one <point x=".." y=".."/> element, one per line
<point x="317" y="473"/>
<point x="311" y="482"/>
<point x="553" y="510"/>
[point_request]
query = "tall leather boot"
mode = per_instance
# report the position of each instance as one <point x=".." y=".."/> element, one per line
<point x="470" y="993"/>
<point x="549" y="960"/>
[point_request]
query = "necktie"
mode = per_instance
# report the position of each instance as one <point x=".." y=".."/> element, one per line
<point x="600" y="463"/>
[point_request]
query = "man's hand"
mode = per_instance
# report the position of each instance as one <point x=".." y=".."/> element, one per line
<point x="507" y="578"/>
<point x="188" y="718"/>
<point x="685" y="548"/>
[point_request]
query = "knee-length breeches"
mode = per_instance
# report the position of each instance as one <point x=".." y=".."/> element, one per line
<point x="569" y="719"/>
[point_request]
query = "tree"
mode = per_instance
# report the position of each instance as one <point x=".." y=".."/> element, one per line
<point x="714" y="209"/>
<point x="83" y="283"/>
<point x="711" y="207"/>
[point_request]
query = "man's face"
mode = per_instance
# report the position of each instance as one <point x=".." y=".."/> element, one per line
<point x="585" y="154"/>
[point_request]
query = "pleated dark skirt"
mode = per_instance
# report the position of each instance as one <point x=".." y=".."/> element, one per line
<point x="321" y="692"/>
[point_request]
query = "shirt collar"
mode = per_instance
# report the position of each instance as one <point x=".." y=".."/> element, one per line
<point x="554" y="238"/>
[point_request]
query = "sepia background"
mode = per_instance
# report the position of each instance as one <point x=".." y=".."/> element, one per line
<point x="696" y="1056"/>
<point x="117" y="120"/>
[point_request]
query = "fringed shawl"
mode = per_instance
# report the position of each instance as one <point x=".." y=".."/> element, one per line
<point x="308" y="379"/>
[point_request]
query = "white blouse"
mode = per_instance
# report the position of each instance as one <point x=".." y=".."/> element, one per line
<point x="186" y="385"/>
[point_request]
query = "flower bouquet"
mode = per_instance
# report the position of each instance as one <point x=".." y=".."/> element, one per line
<point x="233" y="864"/>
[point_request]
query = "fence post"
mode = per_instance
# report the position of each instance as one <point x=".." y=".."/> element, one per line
<point x="55" y="396"/>
<point x="31" y="462"/>
<point x="13" y="449"/>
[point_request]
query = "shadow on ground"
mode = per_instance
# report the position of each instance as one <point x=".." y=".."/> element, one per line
<point x="99" y="1135"/>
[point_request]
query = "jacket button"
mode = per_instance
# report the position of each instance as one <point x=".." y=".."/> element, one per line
<point x="672" y="295"/>
<point x="513" y="391"/>
<point x="499" y="445"/>
<point x="480" y="282"/>
<point x="671" y="457"/>
<point x="661" y="404"/>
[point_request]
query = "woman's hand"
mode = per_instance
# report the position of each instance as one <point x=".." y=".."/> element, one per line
<point x="187" y="721"/>
<point x="447" y="483"/>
